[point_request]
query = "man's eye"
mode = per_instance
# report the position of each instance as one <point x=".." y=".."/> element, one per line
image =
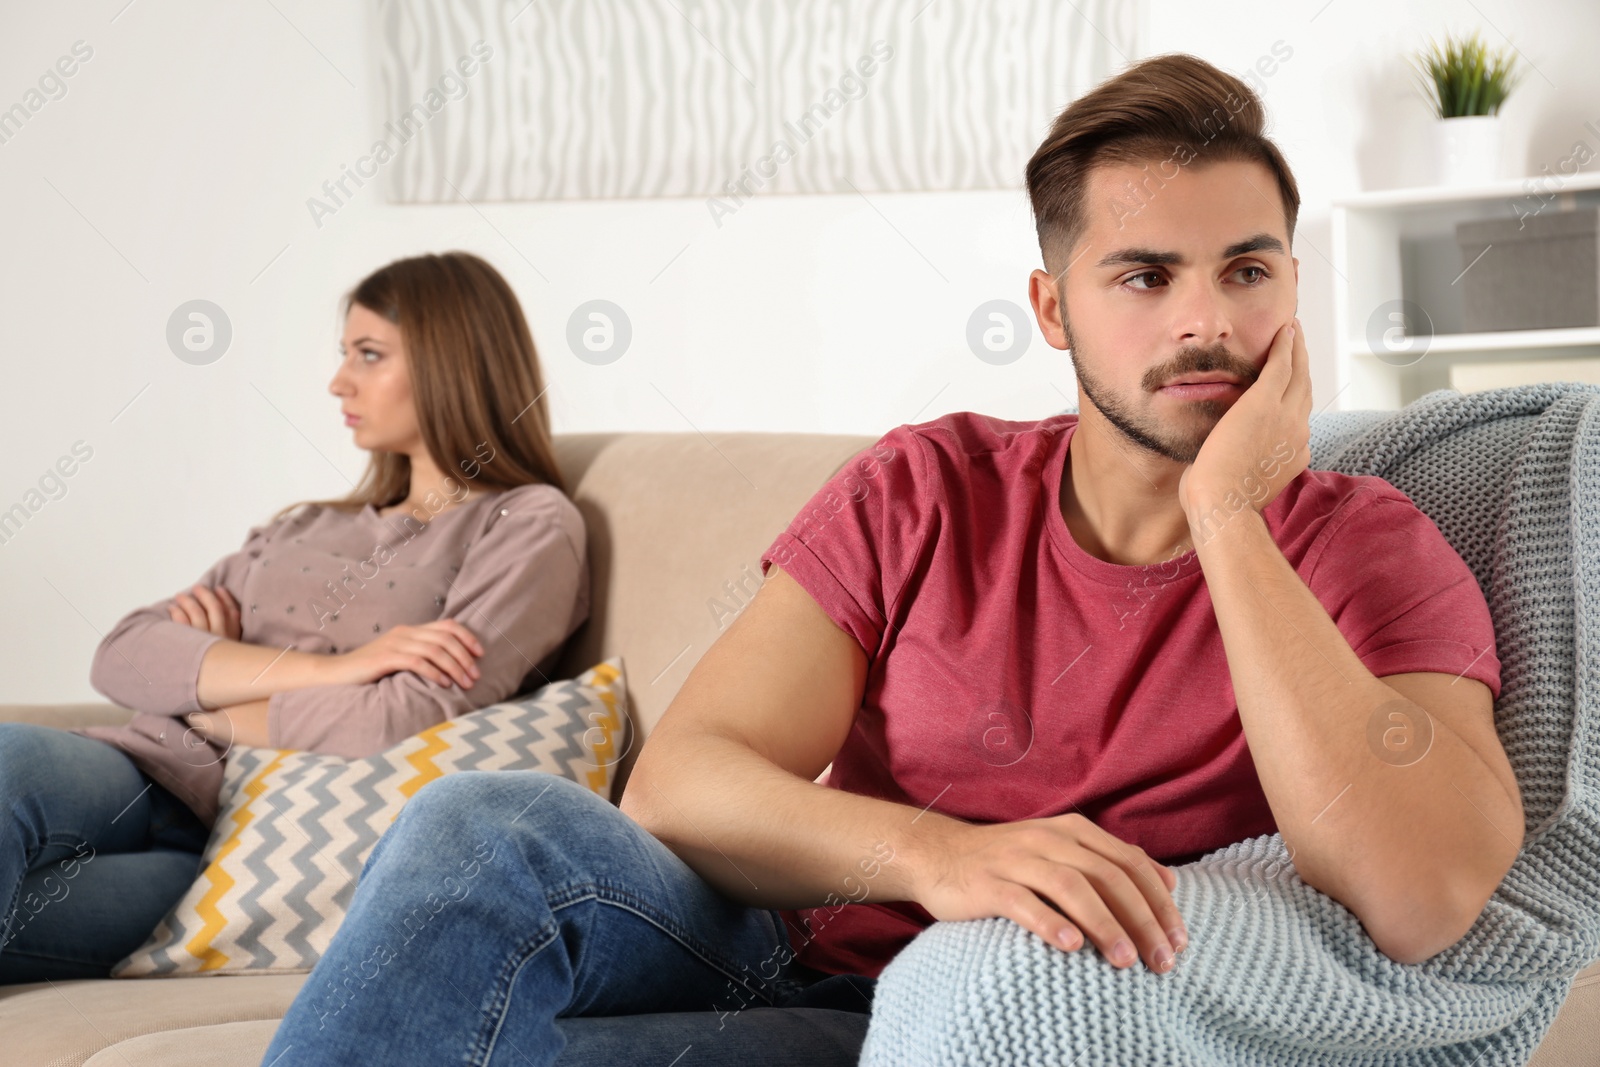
<point x="1262" y="271"/>
<point x="1145" y="274"/>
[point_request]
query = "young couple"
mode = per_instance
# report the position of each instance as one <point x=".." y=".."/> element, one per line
<point x="1007" y="738"/>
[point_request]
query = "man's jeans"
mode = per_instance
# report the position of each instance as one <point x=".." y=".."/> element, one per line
<point x="93" y="855"/>
<point x="516" y="918"/>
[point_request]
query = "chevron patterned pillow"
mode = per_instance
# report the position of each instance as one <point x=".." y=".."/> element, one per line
<point x="295" y="827"/>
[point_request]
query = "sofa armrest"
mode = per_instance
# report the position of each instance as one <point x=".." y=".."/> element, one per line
<point x="66" y="716"/>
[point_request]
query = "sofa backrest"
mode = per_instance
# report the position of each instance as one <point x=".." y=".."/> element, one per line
<point x="677" y="523"/>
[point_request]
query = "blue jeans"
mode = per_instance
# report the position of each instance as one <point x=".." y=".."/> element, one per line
<point x="93" y="854"/>
<point x="516" y="918"/>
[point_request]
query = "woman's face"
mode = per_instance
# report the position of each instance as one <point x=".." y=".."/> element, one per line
<point x="373" y="384"/>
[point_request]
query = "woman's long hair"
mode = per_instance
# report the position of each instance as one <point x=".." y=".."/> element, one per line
<point x="475" y="379"/>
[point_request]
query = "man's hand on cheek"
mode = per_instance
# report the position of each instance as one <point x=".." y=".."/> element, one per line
<point x="1263" y="441"/>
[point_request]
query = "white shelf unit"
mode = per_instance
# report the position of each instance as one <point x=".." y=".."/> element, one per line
<point x="1399" y="244"/>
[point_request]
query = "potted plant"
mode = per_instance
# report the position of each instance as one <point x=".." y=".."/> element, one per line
<point x="1465" y="83"/>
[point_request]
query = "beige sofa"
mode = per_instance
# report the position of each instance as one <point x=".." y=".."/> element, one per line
<point x="677" y="523"/>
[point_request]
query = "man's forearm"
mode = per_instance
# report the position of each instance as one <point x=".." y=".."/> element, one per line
<point x="232" y="672"/>
<point x="767" y="838"/>
<point x="1392" y="843"/>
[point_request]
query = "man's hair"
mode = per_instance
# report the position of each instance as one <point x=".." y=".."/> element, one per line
<point x="1174" y="109"/>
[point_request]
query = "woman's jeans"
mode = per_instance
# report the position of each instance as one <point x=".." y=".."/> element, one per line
<point x="516" y="918"/>
<point x="93" y="854"/>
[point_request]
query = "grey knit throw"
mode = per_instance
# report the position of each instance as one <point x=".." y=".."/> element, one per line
<point x="1277" y="973"/>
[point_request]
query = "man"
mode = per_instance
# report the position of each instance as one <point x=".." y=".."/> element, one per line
<point x="1045" y="660"/>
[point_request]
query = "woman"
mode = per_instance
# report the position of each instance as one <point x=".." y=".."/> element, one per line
<point x="447" y="580"/>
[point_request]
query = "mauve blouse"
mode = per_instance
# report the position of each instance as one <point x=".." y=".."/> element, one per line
<point x="510" y="566"/>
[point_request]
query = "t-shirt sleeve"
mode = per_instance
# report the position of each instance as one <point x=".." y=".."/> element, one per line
<point x="522" y="590"/>
<point x="1402" y="597"/>
<point x="150" y="663"/>
<point x="852" y="544"/>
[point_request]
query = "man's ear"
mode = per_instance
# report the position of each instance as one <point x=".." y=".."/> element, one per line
<point x="1048" y="309"/>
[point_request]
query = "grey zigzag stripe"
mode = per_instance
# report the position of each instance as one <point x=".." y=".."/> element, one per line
<point x="271" y="833"/>
<point x="564" y="734"/>
<point x="316" y="837"/>
<point x="473" y="733"/>
<point x="543" y="741"/>
<point x="356" y="814"/>
<point x="259" y="845"/>
<point x="353" y="855"/>
<point x="257" y="861"/>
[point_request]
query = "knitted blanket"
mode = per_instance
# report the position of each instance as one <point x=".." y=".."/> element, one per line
<point x="1277" y="973"/>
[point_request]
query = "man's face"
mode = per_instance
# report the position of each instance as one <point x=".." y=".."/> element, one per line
<point x="1181" y="272"/>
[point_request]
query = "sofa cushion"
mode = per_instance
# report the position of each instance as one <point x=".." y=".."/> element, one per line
<point x="295" y="827"/>
<point x="63" y="1024"/>
<point x="239" y="1044"/>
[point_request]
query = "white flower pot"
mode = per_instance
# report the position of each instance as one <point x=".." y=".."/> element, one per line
<point x="1466" y="150"/>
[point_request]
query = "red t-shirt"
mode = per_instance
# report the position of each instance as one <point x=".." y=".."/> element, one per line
<point x="1014" y="676"/>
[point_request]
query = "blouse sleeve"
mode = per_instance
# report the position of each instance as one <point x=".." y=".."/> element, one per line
<point x="150" y="663"/>
<point x="522" y="590"/>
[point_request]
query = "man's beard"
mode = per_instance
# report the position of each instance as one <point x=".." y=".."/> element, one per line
<point x="1181" y="444"/>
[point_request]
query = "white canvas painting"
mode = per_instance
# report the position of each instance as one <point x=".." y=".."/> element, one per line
<point x="561" y="99"/>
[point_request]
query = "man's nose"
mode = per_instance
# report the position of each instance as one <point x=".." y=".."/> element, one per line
<point x="1203" y="316"/>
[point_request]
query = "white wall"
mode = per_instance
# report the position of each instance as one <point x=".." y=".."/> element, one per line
<point x="178" y="164"/>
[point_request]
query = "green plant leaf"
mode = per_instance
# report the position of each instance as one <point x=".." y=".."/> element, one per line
<point x="1465" y="77"/>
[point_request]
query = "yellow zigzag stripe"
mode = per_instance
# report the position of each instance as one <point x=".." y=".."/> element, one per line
<point x="422" y="759"/>
<point x="221" y="881"/>
<point x="605" y="753"/>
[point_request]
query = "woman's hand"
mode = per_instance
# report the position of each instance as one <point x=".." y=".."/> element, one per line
<point x="442" y="651"/>
<point x="1062" y="877"/>
<point x="238" y="724"/>
<point x="214" y="611"/>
